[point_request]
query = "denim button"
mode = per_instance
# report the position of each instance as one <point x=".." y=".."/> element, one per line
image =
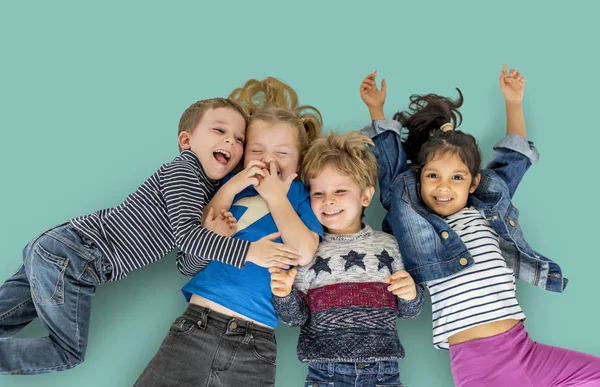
<point x="315" y="385"/>
<point x="361" y="365"/>
<point x="445" y="234"/>
<point x="511" y="222"/>
<point x="233" y="325"/>
<point x="463" y="261"/>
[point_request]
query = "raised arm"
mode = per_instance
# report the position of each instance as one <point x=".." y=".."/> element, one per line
<point x="513" y="154"/>
<point x="512" y="85"/>
<point x="386" y="136"/>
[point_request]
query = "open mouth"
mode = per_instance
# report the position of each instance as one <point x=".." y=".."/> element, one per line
<point x="442" y="200"/>
<point x="222" y="156"/>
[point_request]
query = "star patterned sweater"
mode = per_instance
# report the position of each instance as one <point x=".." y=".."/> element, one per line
<point x="345" y="311"/>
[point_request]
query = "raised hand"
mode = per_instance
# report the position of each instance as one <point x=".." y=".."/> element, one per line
<point x="402" y="285"/>
<point x="223" y="223"/>
<point x="373" y="97"/>
<point x="267" y="253"/>
<point x="512" y="85"/>
<point x="282" y="281"/>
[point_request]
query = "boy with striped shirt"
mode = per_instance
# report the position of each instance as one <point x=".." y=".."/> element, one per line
<point x="62" y="267"/>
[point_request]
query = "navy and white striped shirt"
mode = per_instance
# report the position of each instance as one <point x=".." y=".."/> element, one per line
<point x="164" y="213"/>
<point x="480" y="294"/>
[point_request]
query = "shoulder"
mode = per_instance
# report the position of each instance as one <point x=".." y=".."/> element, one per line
<point x="384" y="237"/>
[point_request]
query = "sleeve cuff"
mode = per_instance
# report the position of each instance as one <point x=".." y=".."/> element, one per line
<point x="517" y="143"/>
<point x="379" y="126"/>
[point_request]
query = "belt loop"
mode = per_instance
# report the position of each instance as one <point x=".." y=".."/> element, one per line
<point x="380" y="372"/>
<point x="203" y="318"/>
<point x="330" y="369"/>
<point x="248" y="335"/>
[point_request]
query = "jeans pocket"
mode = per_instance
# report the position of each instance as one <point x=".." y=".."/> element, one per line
<point x="182" y="326"/>
<point x="47" y="276"/>
<point x="264" y="349"/>
<point x="310" y="383"/>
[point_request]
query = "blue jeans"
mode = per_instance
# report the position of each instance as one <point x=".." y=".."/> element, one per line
<point x="56" y="283"/>
<point x="376" y="374"/>
<point x="208" y="349"/>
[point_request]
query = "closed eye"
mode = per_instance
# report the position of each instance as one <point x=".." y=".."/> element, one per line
<point x="341" y="191"/>
<point x="240" y="140"/>
<point x="317" y="194"/>
<point x="219" y="130"/>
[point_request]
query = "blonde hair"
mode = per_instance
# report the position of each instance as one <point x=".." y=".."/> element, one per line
<point x="192" y="116"/>
<point x="272" y="101"/>
<point x="348" y="153"/>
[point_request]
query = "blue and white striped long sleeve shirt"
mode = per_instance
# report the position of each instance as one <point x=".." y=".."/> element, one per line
<point x="164" y="213"/>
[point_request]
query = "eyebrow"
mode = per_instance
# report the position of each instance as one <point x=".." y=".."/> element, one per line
<point x="455" y="171"/>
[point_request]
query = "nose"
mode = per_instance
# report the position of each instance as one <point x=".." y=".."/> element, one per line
<point x="328" y="200"/>
<point x="268" y="158"/>
<point x="443" y="185"/>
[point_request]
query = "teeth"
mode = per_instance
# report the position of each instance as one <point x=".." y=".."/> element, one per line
<point x="443" y="199"/>
<point x="332" y="212"/>
<point x="224" y="153"/>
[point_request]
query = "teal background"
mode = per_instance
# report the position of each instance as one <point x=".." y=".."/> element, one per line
<point x="91" y="94"/>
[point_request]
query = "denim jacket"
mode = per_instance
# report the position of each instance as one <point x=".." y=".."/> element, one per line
<point x="430" y="248"/>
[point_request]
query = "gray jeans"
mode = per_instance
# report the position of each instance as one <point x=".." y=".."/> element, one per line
<point x="205" y="348"/>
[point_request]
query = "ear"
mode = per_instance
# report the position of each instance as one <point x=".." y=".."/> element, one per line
<point x="367" y="195"/>
<point x="184" y="140"/>
<point x="475" y="183"/>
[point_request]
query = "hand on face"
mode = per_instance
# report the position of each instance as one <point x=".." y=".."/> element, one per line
<point x="270" y="186"/>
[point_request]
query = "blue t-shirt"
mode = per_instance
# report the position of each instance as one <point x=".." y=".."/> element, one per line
<point x="247" y="291"/>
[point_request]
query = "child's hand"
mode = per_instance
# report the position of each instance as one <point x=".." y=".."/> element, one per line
<point x="402" y="285"/>
<point x="248" y="176"/>
<point x="282" y="281"/>
<point x="372" y="96"/>
<point x="266" y="253"/>
<point x="271" y="187"/>
<point x="223" y="224"/>
<point x="512" y="85"/>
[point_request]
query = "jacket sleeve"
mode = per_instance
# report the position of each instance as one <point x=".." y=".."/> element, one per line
<point x="513" y="155"/>
<point x="389" y="153"/>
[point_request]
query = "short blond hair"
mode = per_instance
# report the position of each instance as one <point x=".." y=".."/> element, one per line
<point x="347" y="152"/>
<point x="271" y="100"/>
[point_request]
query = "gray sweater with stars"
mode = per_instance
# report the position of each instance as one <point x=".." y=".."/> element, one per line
<point x="343" y="306"/>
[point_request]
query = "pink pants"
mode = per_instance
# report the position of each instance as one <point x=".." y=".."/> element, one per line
<point x="513" y="359"/>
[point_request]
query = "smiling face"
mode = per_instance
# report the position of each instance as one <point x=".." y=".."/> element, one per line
<point x="446" y="184"/>
<point x="337" y="201"/>
<point x="217" y="141"/>
<point x="273" y="142"/>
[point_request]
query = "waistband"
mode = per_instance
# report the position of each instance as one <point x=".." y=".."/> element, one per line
<point x="203" y="316"/>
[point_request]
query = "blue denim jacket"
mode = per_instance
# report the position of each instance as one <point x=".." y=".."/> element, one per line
<point x="430" y="248"/>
